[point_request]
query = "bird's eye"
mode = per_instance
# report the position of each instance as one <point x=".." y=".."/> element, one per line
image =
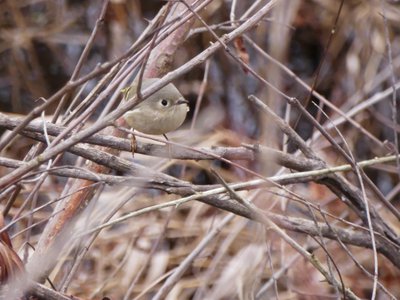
<point x="164" y="102"/>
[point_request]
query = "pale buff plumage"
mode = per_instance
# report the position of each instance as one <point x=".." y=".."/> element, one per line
<point x="162" y="112"/>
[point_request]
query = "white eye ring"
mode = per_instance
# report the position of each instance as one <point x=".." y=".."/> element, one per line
<point x="164" y="102"/>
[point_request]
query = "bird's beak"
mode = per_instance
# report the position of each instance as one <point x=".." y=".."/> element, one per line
<point x="182" y="101"/>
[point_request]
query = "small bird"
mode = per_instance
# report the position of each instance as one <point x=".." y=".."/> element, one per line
<point x="162" y="112"/>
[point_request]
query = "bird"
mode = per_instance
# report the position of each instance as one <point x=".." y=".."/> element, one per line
<point x="162" y="112"/>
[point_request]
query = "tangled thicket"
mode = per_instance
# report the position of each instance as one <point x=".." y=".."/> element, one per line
<point x="282" y="183"/>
